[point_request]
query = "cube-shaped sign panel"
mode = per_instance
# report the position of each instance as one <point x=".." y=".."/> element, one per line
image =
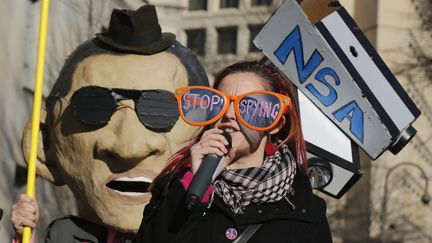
<point x="335" y="66"/>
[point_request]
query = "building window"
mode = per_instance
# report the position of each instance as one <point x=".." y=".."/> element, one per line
<point x="253" y="32"/>
<point x="261" y="2"/>
<point x="196" y="39"/>
<point x="229" y="3"/>
<point x="197" y="5"/>
<point x="227" y="40"/>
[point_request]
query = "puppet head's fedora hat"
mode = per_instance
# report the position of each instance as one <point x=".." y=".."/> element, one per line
<point x="136" y="31"/>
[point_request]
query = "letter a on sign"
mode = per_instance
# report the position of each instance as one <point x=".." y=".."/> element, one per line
<point x="353" y="113"/>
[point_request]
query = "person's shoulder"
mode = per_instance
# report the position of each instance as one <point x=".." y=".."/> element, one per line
<point x="320" y="228"/>
<point x="318" y="204"/>
<point x="60" y="229"/>
<point x="318" y="200"/>
<point x="163" y="182"/>
<point x="66" y="228"/>
<point x="63" y="222"/>
<point x="71" y="221"/>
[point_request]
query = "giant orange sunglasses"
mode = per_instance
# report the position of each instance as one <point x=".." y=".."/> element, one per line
<point x="258" y="110"/>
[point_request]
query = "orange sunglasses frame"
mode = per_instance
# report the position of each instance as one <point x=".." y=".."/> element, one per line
<point x="284" y="100"/>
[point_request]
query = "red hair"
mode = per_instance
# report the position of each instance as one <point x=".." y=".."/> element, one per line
<point x="291" y="134"/>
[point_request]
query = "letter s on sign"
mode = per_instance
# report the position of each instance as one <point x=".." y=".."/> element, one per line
<point x="320" y="77"/>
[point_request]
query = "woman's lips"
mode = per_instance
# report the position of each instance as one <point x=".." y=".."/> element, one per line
<point x="228" y="128"/>
<point x="130" y="188"/>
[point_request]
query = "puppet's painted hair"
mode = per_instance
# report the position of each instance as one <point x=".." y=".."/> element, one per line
<point x="195" y="71"/>
<point x="291" y="134"/>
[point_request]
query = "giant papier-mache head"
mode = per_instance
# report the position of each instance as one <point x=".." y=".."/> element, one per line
<point x="111" y="119"/>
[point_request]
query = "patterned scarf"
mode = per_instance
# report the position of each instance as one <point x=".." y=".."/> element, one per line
<point x="268" y="183"/>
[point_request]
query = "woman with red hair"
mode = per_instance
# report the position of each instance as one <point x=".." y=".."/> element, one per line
<point x="262" y="193"/>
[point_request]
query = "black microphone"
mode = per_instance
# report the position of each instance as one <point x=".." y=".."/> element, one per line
<point x="205" y="174"/>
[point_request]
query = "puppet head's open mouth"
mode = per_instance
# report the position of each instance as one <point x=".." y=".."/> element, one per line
<point x="130" y="186"/>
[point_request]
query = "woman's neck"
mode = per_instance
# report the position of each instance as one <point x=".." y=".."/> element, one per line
<point x="254" y="159"/>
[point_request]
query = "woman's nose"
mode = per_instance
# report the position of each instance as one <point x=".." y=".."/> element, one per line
<point x="230" y="113"/>
<point x="128" y="141"/>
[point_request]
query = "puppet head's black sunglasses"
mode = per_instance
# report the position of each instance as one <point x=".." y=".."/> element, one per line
<point x="156" y="109"/>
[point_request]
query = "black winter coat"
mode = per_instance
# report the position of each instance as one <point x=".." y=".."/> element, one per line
<point x="166" y="219"/>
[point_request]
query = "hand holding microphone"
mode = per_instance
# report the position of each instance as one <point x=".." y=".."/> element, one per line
<point x="209" y="157"/>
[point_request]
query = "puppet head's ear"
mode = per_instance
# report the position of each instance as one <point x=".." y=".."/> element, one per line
<point x="45" y="168"/>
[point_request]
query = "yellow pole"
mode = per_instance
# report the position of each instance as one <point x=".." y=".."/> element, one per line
<point x="37" y="100"/>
